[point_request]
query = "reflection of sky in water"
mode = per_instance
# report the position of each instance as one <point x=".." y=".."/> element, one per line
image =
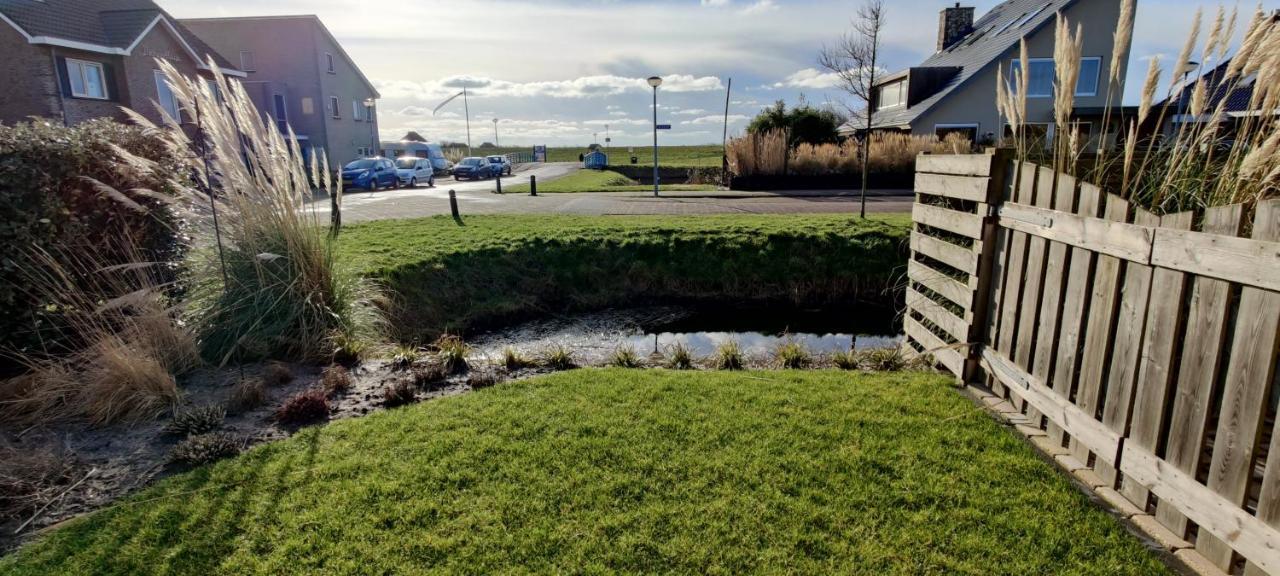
<point x="705" y="343"/>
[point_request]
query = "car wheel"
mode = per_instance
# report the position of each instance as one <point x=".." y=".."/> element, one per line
<point x="373" y="185"/>
<point x="413" y="182"/>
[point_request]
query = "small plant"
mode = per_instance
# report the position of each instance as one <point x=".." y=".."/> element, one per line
<point x="625" y="357"/>
<point x="792" y="355"/>
<point x="277" y="374"/>
<point x="513" y="360"/>
<point x="729" y="356"/>
<point x="847" y="360"/>
<point x="399" y="393"/>
<point x="304" y="408"/>
<point x="484" y="379"/>
<point x="349" y="350"/>
<point x="558" y="357"/>
<point x="196" y="421"/>
<point x="453" y="353"/>
<point x="428" y="376"/>
<point x="335" y="380"/>
<point x="679" y="357"/>
<point x="247" y="394"/>
<point x="883" y="360"/>
<point x="403" y="357"/>
<point x="206" y="448"/>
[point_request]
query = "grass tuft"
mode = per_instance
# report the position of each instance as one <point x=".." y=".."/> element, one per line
<point x="792" y="355"/>
<point x="336" y="380"/>
<point x="625" y="357"/>
<point x="404" y="356"/>
<point x="514" y="360"/>
<point x="847" y="360"/>
<point x="883" y="360"/>
<point x="453" y="353"/>
<point x="679" y="357"/>
<point x="428" y="376"/>
<point x="399" y="393"/>
<point x="558" y="357"/>
<point x="728" y="356"/>
<point x="305" y="407"/>
<point x="247" y="394"/>
<point x="206" y="448"/>
<point x="196" y="421"/>
<point x="277" y="374"/>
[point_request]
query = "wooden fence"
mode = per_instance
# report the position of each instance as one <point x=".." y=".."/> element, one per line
<point x="1144" y="346"/>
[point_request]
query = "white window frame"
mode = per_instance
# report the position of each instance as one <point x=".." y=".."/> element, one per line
<point x="328" y="56"/>
<point x="80" y="66"/>
<point x="171" y="104"/>
<point x="880" y="93"/>
<point x="355" y="111"/>
<point x="249" y="64"/>
<point x="335" y="111"/>
<point x="1053" y="75"/>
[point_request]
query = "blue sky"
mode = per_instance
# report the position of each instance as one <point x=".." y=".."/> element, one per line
<point x="556" y="71"/>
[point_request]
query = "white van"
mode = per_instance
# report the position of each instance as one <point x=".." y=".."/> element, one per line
<point x="427" y="150"/>
<point x="413" y="171"/>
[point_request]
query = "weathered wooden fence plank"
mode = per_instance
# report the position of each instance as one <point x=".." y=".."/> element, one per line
<point x="947" y="286"/>
<point x="1052" y="296"/>
<point x="1029" y="313"/>
<point x="938" y="314"/>
<point x="1127" y="241"/>
<point x="958" y="257"/>
<point x="1074" y="303"/>
<point x="1015" y="269"/>
<point x="963" y="223"/>
<point x="972" y="189"/>
<point x="1250" y="262"/>
<point x="932" y="344"/>
<point x="955" y="164"/>
<point x="1206" y="332"/>
<point x="1250" y="374"/>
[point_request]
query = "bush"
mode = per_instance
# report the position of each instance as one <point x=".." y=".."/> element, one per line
<point x="206" y="448"/>
<point x="196" y="421"/>
<point x="403" y="357"/>
<point x="335" y="380"/>
<point x="847" y="360"/>
<point x="247" y="394"/>
<point x="304" y="408"/>
<point x="679" y="357"/>
<point x="883" y="360"/>
<point x="792" y="355"/>
<point x="625" y="357"/>
<point x="48" y="202"/>
<point x="277" y="374"/>
<point x="729" y="356"/>
<point x="514" y="360"/>
<point x="453" y="353"/>
<point x="558" y="357"/>
<point x="399" y="393"/>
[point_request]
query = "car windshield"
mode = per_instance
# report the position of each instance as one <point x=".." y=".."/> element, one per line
<point x="360" y="165"/>
<point x="471" y="161"/>
<point x="495" y="158"/>
<point x="407" y="163"/>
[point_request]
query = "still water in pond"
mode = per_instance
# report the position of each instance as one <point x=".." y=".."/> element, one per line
<point x="757" y="330"/>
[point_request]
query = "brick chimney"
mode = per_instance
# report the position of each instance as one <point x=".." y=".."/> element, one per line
<point x="954" y="24"/>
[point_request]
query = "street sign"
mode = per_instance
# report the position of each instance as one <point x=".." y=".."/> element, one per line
<point x="540" y="153"/>
<point x="663" y="127"/>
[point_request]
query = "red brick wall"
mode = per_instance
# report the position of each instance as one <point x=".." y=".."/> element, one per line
<point x="30" y="88"/>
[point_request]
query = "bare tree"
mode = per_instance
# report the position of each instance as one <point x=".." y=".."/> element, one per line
<point x="854" y="59"/>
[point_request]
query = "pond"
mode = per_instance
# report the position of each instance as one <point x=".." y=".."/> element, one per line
<point x="758" y="330"/>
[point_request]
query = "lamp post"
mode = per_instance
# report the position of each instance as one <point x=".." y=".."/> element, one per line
<point x="495" y="134"/>
<point x="373" y="130"/>
<point x="655" y="82"/>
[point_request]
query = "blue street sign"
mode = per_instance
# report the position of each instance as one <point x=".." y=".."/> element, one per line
<point x="664" y="127"/>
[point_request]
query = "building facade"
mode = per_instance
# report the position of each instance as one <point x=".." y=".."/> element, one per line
<point x="74" y="60"/>
<point x="298" y="74"/>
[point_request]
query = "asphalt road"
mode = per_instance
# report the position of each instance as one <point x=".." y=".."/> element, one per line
<point x="479" y="198"/>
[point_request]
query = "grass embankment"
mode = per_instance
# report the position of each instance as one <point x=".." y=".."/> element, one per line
<point x="493" y="268"/>
<point x="623" y="471"/>
<point x="703" y="156"/>
<point x="602" y="181"/>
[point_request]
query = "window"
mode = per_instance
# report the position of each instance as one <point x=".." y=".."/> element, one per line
<point x="333" y="107"/>
<point x="355" y="111"/>
<point x="969" y="131"/>
<point x="1040" y="79"/>
<point x="892" y="95"/>
<point x="247" y="61"/>
<point x="282" y="113"/>
<point x="328" y="58"/>
<point x="1037" y="135"/>
<point x="308" y="105"/>
<point x="166" y="98"/>
<point x="87" y="79"/>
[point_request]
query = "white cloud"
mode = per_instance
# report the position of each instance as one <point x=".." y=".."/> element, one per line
<point x="581" y="87"/>
<point x="760" y="6"/>
<point x="703" y="120"/>
<point x="810" y="78"/>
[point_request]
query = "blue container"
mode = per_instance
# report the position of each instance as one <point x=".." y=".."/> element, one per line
<point x="596" y="160"/>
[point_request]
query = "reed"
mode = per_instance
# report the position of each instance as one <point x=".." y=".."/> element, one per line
<point x="766" y="154"/>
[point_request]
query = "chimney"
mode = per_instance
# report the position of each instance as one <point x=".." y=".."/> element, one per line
<point x="953" y="25"/>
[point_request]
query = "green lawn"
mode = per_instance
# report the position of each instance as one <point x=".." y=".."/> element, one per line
<point x="703" y="156"/>
<point x="499" y="268"/>
<point x="614" y="471"/>
<point x="602" y="181"/>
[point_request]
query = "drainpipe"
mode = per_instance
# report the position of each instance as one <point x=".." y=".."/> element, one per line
<point x="57" y="85"/>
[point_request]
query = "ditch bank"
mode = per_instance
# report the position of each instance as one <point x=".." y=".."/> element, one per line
<point x="493" y="271"/>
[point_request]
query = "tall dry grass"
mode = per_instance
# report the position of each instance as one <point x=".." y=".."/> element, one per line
<point x="1218" y="158"/>
<point x="767" y="154"/>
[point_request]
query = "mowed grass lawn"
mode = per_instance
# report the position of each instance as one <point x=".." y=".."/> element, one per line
<point x="700" y="156"/>
<point x="608" y="471"/>
<point x="602" y="181"/>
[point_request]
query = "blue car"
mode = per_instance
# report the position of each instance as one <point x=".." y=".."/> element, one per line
<point x="370" y="174"/>
<point x="473" y="168"/>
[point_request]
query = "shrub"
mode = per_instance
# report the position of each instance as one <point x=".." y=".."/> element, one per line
<point x="453" y="353"/>
<point x="679" y="357"/>
<point x="558" y="357"/>
<point x="883" y="360"/>
<point x="847" y="360"/>
<point x="767" y="154"/>
<point x="484" y="378"/>
<point x="428" y="376"/>
<point x="402" y="357"/>
<point x="399" y="393"/>
<point x="625" y="357"/>
<point x="729" y="356"/>
<point x="792" y="355"/>
<point x="514" y="360"/>
<point x="277" y="374"/>
<point x="247" y="394"/>
<point x="51" y="202"/>
<point x="196" y="421"/>
<point x="206" y="448"/>
<point x="304" y="408"/>
<point x="335" y="380"/>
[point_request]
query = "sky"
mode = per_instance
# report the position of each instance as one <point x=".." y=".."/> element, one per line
<point x="558" y="72"/>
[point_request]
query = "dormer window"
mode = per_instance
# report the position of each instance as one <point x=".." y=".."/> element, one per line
<point x="891" y="95"/>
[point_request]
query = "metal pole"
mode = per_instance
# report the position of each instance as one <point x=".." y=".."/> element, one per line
<point x="467" y="109"/>
<point x="655" y="141"/>
<point x="533" y="184"/>
<point x="496" y="142"/>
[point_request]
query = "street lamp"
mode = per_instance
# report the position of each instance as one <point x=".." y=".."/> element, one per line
<point x="655" y="82"/>
<point x="495" y="134"/>
<point x="373" y="131"/>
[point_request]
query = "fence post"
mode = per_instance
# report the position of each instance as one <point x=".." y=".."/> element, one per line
<point x="1001" y="167"/>
<point x="497" y="180"/>
<point x="453" y="204"/>
<point x="533" y="185"/>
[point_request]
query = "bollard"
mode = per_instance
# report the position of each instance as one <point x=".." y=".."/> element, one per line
<point x="453" y="204"/>
<point x="498" y="182"/>
<point x="533" y="185"/>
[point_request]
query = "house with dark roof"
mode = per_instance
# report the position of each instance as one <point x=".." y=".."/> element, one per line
<point x="74" y="60"/>
<point x="299" y="75"/>
<point x="954" y="90"/>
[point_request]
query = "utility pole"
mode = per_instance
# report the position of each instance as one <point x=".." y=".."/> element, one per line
<point x="655" y="82"/>
<point x="467" y="108"/>
<point x="495" y="134"/>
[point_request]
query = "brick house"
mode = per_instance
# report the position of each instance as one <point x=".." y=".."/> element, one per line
<point x="299" y="74"/>
<point x="74" y="60"/>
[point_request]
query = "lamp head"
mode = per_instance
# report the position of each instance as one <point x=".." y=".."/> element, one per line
<point x="655" y="81"/>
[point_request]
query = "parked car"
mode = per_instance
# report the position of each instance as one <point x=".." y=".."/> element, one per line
<point x="428" y="150"/>
<point x="473" y="168"/>
<point x="370" y="174"/>
<point x="413" y="170"/>
<point x="501" y="165"/>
